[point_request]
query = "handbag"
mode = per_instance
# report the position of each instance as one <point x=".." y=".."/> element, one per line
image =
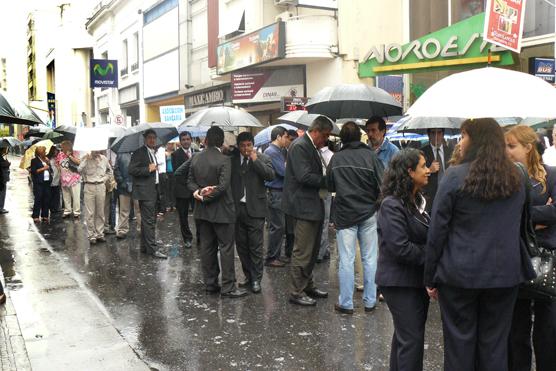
<point x="542" y="259"/>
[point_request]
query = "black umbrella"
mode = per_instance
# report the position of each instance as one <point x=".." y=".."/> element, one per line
<point x="16" y="112"/>
<point x="353" y="101"/>
<point x="9" y="142"/>
<point x="133" y="139"/>
<point x="37" y="131"/>
<point x="68" y="131"/>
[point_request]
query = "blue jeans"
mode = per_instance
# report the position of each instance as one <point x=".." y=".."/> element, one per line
<point x="365" y="232"/>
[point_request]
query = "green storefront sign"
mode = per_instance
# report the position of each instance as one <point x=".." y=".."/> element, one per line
<point x="458" y="46"/>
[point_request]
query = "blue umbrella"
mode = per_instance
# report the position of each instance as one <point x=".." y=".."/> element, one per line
<point x="263" y="137"/>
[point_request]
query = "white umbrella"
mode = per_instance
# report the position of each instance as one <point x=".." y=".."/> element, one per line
<point x="487" y="92"/>
<point x="221" y="116"/>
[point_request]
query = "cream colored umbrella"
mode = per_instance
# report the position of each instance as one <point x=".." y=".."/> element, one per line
<point x="30" y="153"/>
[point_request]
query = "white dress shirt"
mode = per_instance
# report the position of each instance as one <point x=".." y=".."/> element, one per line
<point x="152" y="156"/>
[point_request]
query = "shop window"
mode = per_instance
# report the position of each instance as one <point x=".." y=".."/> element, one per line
<point x="463" y="9"/>
<point x="427" y="16"/>
<point x="539" y="18"/>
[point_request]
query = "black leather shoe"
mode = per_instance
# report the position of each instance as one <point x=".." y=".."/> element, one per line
<point x="121" y="236"/>
<point x="341" y="309"/>
<point x="237" y="293"/>
<point x="304" y="301"/>
<point x="256" y="287"/>
<point x="212" y="289"/>
<point x="187" y="245"/>
<point x="370" y="309"/>
<point x="316" y="293"/>
<point x="159" y="255"/>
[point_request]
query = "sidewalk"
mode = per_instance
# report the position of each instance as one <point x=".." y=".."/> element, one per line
<point x="63" y="325"/>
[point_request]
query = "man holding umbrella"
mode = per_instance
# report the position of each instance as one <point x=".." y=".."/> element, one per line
<point x="143" y="168"/>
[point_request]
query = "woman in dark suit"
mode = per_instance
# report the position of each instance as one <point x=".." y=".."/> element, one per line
<point x="521" y="147"/>
<point x="473" y="258"/>
<point x="402" y="233"/>
<point x="42" y="176"/>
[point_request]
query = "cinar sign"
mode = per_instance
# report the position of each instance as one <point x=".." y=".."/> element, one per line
<point x="452" y="47"/>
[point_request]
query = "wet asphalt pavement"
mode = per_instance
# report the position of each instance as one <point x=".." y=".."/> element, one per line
<point x="161" y="310"/>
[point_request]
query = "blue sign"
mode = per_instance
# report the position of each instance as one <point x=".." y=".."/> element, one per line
<point x="543" y="68"/>
<point x="393" y="85"/>
<point x="51" y="99"/>
<point x="104" y="73"/>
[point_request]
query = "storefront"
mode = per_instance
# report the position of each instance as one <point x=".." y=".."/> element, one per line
<point x="219" y="95"/>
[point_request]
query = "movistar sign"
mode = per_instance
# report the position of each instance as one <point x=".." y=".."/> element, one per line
<point x="104" y="73"/>
<point x="460" y="45"/>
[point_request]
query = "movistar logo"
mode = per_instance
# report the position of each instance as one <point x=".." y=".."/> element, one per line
<point x="98" y="70"/>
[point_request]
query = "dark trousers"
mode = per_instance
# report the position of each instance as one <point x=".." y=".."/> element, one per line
<point x="544" y="335"/>
<point x="161" y="189"/>
<point x="290" y="236"/>
<point x="170" y="186"/>
<point x="249" y="244"/>
<point x="476" y="325"/>
<point x="214" y="236"/>
<point x="55" y="199"/>
<point x="3" y="189"/>
<point x="275" y="225"/>
<point x="148" y="225"/>
<point x="41" y="191"/>
<point x="182" y="204"/>
<point x="409" y="307"/>
<point x="304" y="256"/>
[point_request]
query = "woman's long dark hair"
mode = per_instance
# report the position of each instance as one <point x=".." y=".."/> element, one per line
<point x="397" y="181"/>
<point x="491" y="175"/>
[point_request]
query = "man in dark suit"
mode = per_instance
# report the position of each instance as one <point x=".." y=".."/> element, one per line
<point x="143" y="169"/>
<point x="304" y="189"/>
<point x="183" y="194"/>
<point x="250" y="170"/>
<point x="209" y="180"/>
<point x="437" y="154"/>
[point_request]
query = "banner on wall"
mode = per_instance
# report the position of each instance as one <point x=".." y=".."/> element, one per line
<point x="51" y="101"/>
<point x="104" y="73"/>
<point x="504" y="23"/>
<point x="267" y="85"/>
<point x="172" y="114"/>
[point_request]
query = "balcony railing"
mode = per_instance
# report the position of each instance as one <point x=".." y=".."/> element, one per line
<point x="134" y="66"/>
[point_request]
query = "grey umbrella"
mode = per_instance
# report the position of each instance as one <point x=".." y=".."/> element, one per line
<point x="302" y="120"/>
<point x="9" y="142"/>
<point x="37" y="131"/>
<point x="353" y="101"/>
<point x="15" y="112"/>
<point x="68" y="131"/>
<point x="133" y="138"/>
<point x="221" y="116"/>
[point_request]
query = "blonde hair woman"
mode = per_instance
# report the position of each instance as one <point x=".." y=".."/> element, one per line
<point x="521" y="147"/>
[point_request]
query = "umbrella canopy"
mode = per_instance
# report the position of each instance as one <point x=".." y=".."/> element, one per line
<point x="37" y="131"/>
<point x="133" y="139"/>
<point x="9" y="142"/>
<point x="487" y="92"/>
<point x="263" y="137"/>
<point x="303" y="119"/>
<point x="113" y="130"/>
<point x="30" y="152"/>
<point x="53" y="136"/>
<point x="201" y="131"/>
<point x="16" y="112"/>
<point x="353" y="101"/>
<point x="68" y="131"/>
<point x="221" y="116"/>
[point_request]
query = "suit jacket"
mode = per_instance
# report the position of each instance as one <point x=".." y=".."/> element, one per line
<point x="402" y="236"/>
<point x="257" y="173"/>
<point x="144" y="182"/>
<point x="472" y="243"/>
<point x="304" y="178"/>
<point x="432" y="186"/>
<point x="178" y="159"/>
<point x="212" y="168"/>
<point x="37" y="177"/>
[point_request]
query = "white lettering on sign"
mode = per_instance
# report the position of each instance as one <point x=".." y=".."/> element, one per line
<point x="209" y="97"/>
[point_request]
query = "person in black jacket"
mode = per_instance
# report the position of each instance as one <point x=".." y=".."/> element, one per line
<point x="302" y="199"/>
<point x="438" y="155"/>
<point x="250" y="170"/>
<point x="355" y="174"/>
<point x="42" y="176"/>
<point x="521" y="147"/>
<point x="402" y="234"/>
<point x="474" y="259"/>
<point x="4" y="177"/>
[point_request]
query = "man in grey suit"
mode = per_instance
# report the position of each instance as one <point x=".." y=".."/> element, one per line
<point x="209" y="180"/>
<point x="250" y="170"/>
<point x="143" y="169"/>
<point x="303" y="194"/>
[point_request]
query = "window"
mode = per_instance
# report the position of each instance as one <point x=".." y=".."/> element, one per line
<point x="124" y="60"/>
<point x="427" y="16"/>
<point x="159" y="10"/>
<point x="539" y="18"/>
<point x="135" y="63"/>
<point x="463" y="9"/>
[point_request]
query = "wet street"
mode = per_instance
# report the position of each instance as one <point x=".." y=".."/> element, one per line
<point x="157" y="312"/>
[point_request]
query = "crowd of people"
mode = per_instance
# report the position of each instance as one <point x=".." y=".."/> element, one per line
<point x="437" y="223"/>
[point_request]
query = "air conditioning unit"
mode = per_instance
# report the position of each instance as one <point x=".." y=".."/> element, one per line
<point x="285" y="2"/>
<point x="284" y="16"/>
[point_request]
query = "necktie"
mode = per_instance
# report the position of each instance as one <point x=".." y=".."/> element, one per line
<point x="439" y="159"/>
<point x="186" y="154"/>
<point x="243" y="170"/>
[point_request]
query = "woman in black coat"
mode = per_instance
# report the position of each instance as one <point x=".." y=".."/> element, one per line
<point x="42" y="176"/>
<point x="402" y="234"/>
<point x="473" y="258"/>
<point x="521" y="147"/>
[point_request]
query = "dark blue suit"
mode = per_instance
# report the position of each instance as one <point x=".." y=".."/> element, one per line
<point x="402" y="236"/>
<point x="41" y="188"/>
<point x="474" y="257"/>
<point x="544" y="327"/>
